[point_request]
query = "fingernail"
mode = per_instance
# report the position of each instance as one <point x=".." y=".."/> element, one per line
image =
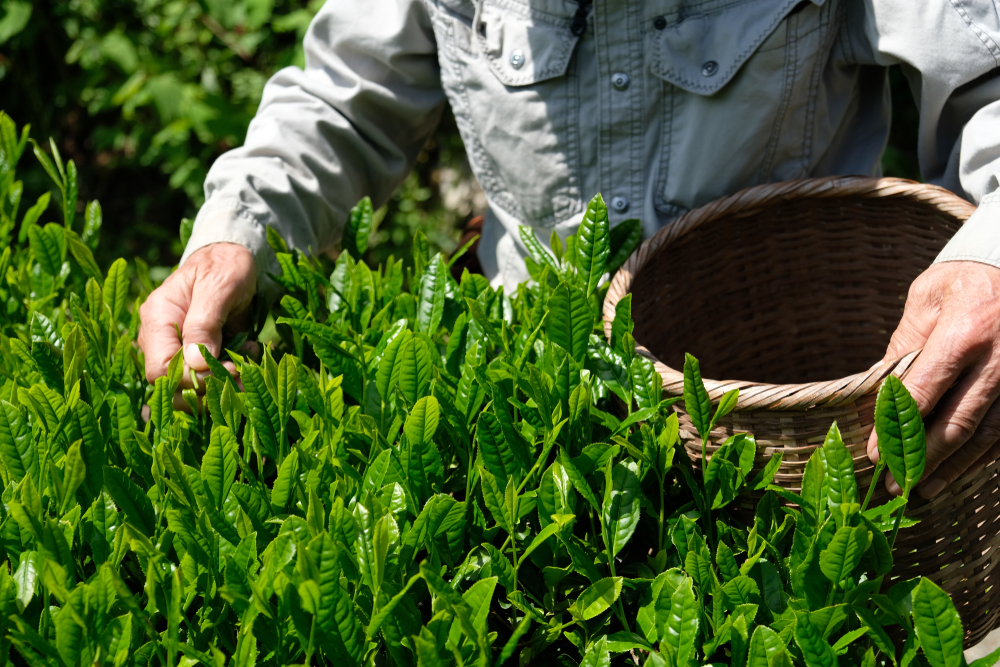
<point x="932" y="487"/>
<point x="873" y="454"/>
<point x="893" y="487"/>
<point x="193" y="358"/>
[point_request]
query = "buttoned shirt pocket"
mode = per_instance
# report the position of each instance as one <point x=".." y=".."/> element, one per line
<point x="762" y="57"/>
<point x="510" y="80"/>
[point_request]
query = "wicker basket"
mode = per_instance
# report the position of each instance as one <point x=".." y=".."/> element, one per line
<point x="797" y="287"/>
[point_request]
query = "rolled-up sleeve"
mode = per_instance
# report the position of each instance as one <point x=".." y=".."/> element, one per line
<point x="351" y="124"/>
<point x="949" y="52"/>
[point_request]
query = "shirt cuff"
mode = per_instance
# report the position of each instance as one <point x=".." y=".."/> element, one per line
<point x="228" y="221"/>
<point x="978" y="240"/>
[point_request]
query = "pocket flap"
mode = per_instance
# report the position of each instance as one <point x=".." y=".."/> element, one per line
<point x="523" y="45"/>
<point x="702" y="52"/>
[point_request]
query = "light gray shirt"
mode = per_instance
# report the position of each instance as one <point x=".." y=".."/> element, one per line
<point x="661" y="105"/>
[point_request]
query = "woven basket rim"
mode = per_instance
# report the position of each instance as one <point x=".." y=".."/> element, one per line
<point x="760" y="395"/>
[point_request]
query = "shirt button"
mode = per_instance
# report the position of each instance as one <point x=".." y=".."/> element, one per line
<point x="619" y="81"/>
<point x="660" y="23"/>
<point x="619" y="204"/>
<point x="709" y="68"/>
<point x="517" y="59"/>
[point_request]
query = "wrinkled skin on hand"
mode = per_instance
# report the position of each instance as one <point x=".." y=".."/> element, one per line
<point x="953" y="313"/>
<point x="212" y="289"/>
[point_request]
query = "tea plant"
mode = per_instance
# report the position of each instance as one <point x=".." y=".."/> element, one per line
<point x="423" y="472"/>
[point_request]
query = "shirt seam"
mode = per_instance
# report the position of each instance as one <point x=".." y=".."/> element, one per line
<point x="233" y="204"/>
<point x="559" y="61"/>
<point x="822" y="57"/>
<point x="791" y="69"/>
<point x="667" y="134"/>
<point x="637" y="98"/>
<point x="489" y="179"/>
<point x="987" y="41"/>
<point x="737" y="63"/>
<point x="604" y="57"/>
<point x="528" y="12"/>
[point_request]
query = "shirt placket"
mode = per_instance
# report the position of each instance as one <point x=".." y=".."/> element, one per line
<point x="617" y="30"/>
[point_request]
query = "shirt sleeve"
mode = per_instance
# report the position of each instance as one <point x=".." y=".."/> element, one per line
<point x="949" y="52"/>
<point x="351" y="124"/>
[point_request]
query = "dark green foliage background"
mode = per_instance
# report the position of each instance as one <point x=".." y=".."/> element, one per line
<point x="144" y="94"/>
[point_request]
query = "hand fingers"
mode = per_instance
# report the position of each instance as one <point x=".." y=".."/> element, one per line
<point x="956" y="444"/>
<point x="986" y="459"/>
<point x="954" y="429"/>
<point x="162" y="316"/>
<point x="224" y="284"/>
<point x="913" y="332"/>
<point x="958" y="415"/>
<point x="187" y="383"/>
<point x="942" y="360"/>
<point x="211" y="305"/>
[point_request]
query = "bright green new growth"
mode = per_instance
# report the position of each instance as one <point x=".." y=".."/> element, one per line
<point x="420" y="471"/>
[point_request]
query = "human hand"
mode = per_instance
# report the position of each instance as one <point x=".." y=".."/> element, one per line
<point x="953" y="313"/>
<point x="213" y="288"/>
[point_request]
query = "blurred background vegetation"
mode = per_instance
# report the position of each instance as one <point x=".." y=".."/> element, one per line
<point x="144" y="94"/>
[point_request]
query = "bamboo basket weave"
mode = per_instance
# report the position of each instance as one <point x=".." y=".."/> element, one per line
<point x="796" y="288"/>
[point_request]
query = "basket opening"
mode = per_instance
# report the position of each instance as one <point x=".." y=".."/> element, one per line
<point x="805" y="291"/>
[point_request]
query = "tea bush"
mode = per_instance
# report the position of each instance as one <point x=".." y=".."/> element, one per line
<point x="423" y="472"/>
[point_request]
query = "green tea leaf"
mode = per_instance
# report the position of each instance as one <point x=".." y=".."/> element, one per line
<point x="646" y="382"/>
<point x="116" y="289"/>
<point x="765" y="646"/>
<point x="422" y="422"/>
<point x="839" y="560"/>
<point x="841" y="484"/>
<point x="622" y="324"/>
<point x="541" y="538"/>
<point x="358" y="229"/>
<point x="130" y="499"/>
<point x="815" y="650"/>
<point x="535" y="249"/>
<point x="335" y="615"/>
<point x="16" y="447"/>
<point x="935" y="619"/>
<point x="85" y="258"/>
<point x="901" y="437"/>
<point x="414" y="362"/>
<point x="74" y="472"/>
<point x="45" y="248"/>
<point x="878" y="634"/>
<point x="31" y="217"/>
<point x="28" y="572"/>
<point x="593" y="243"/>
<point x="726" y="405"/>
<point x="580" y="482"/>
<point x="430" y="307"/>
<point x="625" y="238"/>
<point x="498" y="455"/>
<point x="696" y="400"/>
<point x="262" y="410"/>
<point x="496" y="501"/>
<point x="986" y="661"/>
<point x="597" y="655"/>
<point x="621" y="508"/>
<point x="570" y="321"/>
<point x="597" y="598"/>
<point x="680" y="629"/>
